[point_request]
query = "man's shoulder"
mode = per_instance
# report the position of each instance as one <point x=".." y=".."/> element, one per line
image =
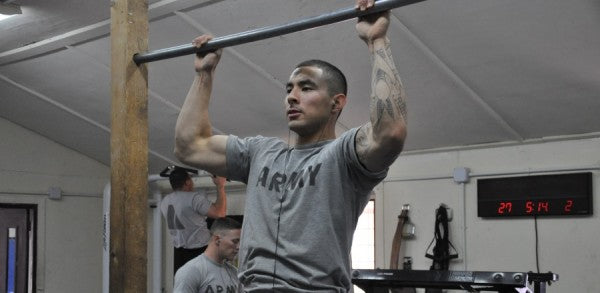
<point x="178" y="197"/>
<point x="166" y="199"/>
<point x="179" y="194"/>
<point x="260" y="141"/>
<point x="194" y="265"/>
<point x="345" y="138"/>
<point x="349" y="133"/>
<point x="260" y="138"/>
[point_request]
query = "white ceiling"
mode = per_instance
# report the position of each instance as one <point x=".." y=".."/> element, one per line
<point x="475" y="71"/>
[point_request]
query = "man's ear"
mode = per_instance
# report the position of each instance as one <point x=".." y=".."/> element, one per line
<point x="338" y="102"/>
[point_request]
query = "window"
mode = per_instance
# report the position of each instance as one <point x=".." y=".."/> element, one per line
<point x="363" y="245"/>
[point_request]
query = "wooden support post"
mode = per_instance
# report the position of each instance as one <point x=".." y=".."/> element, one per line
<point x="129" y="148"/>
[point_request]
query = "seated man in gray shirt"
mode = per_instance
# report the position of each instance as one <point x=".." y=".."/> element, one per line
<point x="211" y="271"/>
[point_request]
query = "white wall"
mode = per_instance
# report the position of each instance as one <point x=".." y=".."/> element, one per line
<point x="69" y="236"/>
<point x="567" y="245"/>
<point x="69" y="230"/>
<point x="69" y="252"/>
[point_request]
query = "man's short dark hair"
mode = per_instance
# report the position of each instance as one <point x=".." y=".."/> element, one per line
<point x="336" y="81"/>
<point x="178" y="177"/>
<point x="224" y="224"/>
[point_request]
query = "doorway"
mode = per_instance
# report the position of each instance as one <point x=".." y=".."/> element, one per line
<point x="17" y="231"/>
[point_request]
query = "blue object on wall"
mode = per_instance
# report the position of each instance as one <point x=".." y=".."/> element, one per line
<point x="12" y="260"/>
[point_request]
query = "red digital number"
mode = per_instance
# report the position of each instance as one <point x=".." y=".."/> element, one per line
<point x="542" y="206"/>
<point x="505" y="207"/>
<point x="569" y="205"/>
<point x="529" y="207"/>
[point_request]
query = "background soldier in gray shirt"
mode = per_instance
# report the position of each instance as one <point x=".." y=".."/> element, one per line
<point x="211" y="271"/>
<point x="185" y="212"/>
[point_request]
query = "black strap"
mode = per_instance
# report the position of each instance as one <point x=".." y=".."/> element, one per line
<point x="169" y="169"/>
<point x="441" y="251"/>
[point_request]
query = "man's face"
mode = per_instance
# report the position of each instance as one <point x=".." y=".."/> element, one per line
<point x="189" y="185"/>
<point x="229" y="244"/>
<point x="308" y="104"/>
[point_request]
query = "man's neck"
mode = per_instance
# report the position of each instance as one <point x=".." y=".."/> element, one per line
<point x="327" y="133"/>
<point x="212" y="254"/>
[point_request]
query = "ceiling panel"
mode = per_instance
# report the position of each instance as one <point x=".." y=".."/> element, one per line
<point x="54" y="123"/>
<point x="475" y="71"/>
<point x="69" y="79"/>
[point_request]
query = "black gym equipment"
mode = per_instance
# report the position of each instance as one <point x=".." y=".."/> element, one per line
<point x="380" y="281"/>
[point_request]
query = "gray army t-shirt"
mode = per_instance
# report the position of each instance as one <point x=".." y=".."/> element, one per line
<point x="301" y="211"/>
<point x="202" y="275"/>
<point x="185" y="215"/>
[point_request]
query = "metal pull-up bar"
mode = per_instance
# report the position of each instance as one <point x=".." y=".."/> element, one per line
<point x="268" y="32"/>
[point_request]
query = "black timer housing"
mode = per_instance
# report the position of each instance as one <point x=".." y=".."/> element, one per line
<point x="536" y="195"/>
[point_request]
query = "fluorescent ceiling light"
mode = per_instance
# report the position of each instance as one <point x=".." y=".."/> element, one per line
<point x="8" y="9"/>
<point x="2" y="16"/>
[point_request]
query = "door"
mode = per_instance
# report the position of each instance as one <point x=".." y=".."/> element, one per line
<point x="16" y="249"/>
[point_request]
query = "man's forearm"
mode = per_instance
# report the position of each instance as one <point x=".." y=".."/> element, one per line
<point x="379" y="142"/>
<point x="221" y="202"/>
<point x="193" y="122"/>
<point x="388" y="106"/>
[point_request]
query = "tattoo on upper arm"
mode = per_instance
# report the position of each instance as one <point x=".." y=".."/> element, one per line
<point x="362" y="143"/>
<point x="363" y="147"/>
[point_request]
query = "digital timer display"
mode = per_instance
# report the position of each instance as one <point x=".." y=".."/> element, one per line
<point x="562" y="194"/>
